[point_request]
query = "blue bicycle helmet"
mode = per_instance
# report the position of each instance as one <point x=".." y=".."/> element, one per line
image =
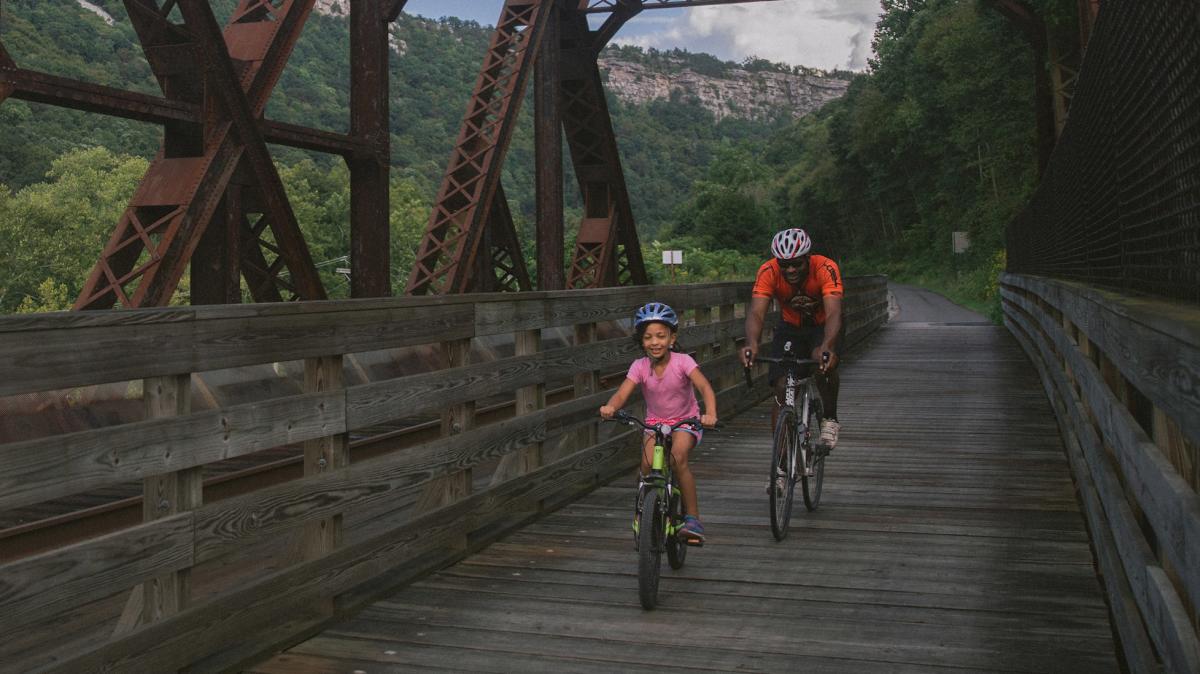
<point x="655" y="311"/>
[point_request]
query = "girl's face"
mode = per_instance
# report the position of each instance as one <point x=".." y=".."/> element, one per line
<point x="657" y="340"/>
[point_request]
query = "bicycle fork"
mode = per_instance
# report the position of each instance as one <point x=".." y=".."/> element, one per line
<point x="656" y="480"/>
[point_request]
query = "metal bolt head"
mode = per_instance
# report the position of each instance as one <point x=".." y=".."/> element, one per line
<point x="322" y="463"/>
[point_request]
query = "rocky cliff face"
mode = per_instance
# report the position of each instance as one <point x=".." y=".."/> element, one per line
<point x="745" y="94"/>
<point x="741" y="94"/>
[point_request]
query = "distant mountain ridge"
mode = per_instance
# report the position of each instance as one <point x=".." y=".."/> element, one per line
<point x="734" y="92"/>
<point x="741" y="93"/>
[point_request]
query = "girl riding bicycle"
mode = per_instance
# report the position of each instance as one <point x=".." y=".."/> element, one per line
<point x="667" y="377"/>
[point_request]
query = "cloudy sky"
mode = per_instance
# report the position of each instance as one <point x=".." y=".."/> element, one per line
<point x="816" y="33"/>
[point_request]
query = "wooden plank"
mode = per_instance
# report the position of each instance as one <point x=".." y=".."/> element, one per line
<point x="56" y="466"/>
<point x="1170" y="504"/>
<point x="1158" y="342"/>
<point x="1160" y="607"/>
<point x="1139" y="654"/>
<point x="44" y="585"/>
<point x="223" y="527"/>
<point x="206" y="629"/>
<point x="456" y="420"/>
<point x="61" y="356"/>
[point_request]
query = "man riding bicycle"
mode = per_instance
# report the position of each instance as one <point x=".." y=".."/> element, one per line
<point x="809" y="290"/>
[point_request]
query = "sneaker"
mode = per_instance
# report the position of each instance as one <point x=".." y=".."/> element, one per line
<point x="692" y="528"/>
<point x="779" y="483"/>
<point x="829" y="432"/>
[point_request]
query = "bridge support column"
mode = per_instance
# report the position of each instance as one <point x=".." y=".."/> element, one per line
<point x="370" y="261"/>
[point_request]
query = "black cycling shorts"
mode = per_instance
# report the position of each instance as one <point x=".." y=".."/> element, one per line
<point x="803" y="341"/>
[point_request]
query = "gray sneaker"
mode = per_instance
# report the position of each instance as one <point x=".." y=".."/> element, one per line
<point x="829" y="432"/>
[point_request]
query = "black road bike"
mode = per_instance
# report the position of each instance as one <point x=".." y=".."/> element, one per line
<point x="797" y="454"/>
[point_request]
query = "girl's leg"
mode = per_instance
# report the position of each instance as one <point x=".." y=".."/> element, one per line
<point x="647" y="453"/>
<point x="681" y="448"/>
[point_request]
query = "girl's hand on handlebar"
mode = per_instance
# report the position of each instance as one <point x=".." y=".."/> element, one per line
<point x="708" y="420"/>
<point x="607" y="411"/>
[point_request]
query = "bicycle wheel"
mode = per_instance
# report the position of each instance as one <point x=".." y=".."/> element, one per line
<point x="811" y="484"/>
<point x="782" y="484"/>
<point x="650" y="534"/>
<point x="676" y="546"/>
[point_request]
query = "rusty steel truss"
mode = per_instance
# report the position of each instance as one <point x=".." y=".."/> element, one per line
<point x="212" y="202"/>
<point x="470" y="243"/>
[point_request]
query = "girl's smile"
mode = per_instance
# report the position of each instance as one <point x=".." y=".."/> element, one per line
<point x="657" y="340"/>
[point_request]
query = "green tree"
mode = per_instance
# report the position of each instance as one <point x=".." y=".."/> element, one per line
<point x="51" y="233"/>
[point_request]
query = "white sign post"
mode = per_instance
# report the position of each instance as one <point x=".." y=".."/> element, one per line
<point x="672" y="258"/>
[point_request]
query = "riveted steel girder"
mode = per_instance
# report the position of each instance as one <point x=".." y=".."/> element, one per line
<point x="181" y="192"/>
<point x="446" y="259"/>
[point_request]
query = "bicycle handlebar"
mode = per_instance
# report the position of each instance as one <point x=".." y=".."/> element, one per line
<point x="621" y="416"/>
<point x="786" y="358"/>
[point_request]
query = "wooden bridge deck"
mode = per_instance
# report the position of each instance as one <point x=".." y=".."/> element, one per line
<point x="948" y="538"/>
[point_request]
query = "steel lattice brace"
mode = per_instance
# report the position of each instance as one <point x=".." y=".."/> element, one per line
<point x="183" y="188"/>
<point x="447" y="256"/>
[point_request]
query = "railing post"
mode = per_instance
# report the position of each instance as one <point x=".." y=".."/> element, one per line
<point x="530" y="399"/>
<point x="164" y="495"/>
<point x="455" y="420"/>
<point x="705" y="350"/>
<point x="586" y="383"/>
<point x="324" y="454"/>
<point x="726" y="346"/>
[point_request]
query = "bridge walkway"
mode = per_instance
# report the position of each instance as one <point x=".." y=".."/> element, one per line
<point x="948" y="538"/>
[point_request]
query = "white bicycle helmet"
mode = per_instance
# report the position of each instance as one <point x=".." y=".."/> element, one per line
<point x="790" y="243"/>
<point x="655" y="311"/>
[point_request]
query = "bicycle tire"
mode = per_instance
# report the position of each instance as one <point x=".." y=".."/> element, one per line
<point x="676" y="546"/>
<point x="650" y="532"/>
<point x="781" y="490"/>
<point x="811" y="485"/>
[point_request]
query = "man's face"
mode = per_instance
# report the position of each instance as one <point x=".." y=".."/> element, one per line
<point x="795" y="270"/>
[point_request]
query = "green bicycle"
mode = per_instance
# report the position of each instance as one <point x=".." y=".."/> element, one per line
<point x="658" y="514"/>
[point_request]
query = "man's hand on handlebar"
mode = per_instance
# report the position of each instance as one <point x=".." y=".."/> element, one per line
<point x="826" y="357"/>
<point x="708" y="420"/>
<point x="607" y="411"/>
<point x="748" y="356"/>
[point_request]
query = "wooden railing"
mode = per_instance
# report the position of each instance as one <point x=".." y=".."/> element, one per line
<point x="1123" y="375"/>
<point x="209" y="585"/>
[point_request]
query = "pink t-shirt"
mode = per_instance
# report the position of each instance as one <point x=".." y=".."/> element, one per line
<point x="670" y="397"/>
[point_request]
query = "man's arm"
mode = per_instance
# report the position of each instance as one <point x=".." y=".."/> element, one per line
<point x="833" y="329"/>
<point x="755" y="315"/>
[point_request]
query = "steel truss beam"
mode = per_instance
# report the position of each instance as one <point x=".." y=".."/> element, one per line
<point x="447" y="258"/>
<point x="607" y="251"/>
<point x="38" y="87"/>
<point x="184" y="186"/>
<point x="601" y="6"/>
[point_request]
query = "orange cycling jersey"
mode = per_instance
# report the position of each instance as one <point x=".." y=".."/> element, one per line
<point x="824" y="278"/>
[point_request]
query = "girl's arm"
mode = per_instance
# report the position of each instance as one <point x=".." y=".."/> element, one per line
<point x="709" y="418"/>
<point x="617" y="401"/>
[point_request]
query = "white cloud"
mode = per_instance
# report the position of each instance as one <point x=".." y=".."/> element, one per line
<point x="816" y="33"/>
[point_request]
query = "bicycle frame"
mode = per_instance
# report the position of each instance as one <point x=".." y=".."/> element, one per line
<point x="661" y="476"/>
<point x="801" y="415"/>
